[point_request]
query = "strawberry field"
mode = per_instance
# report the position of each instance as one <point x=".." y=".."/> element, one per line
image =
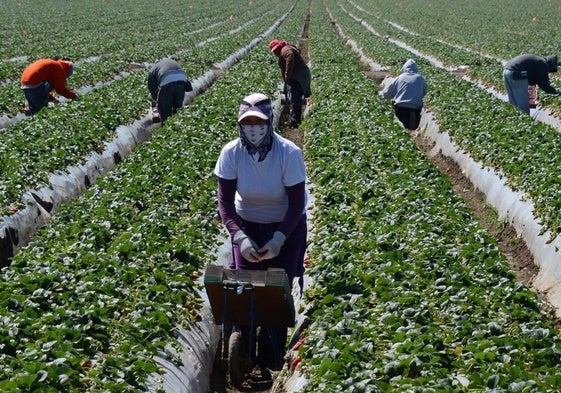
<point x="108" y="221"/>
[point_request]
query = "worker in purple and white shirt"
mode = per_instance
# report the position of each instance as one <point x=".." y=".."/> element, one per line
<point x="261" y="193"/>
<point x="262" y="196"/>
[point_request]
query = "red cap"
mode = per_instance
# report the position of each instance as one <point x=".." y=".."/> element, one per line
<point x="274" y="44"/>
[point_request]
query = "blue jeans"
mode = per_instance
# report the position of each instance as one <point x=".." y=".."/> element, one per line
<point x="170" y="99"/>
<point x="517" y="90"/>
<point x="37" y="97"/>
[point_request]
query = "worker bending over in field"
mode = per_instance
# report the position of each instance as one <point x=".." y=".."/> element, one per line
<point x="261" y="200"/>
<point x="40" y="78"/>
<point x="528" y="70"/>
<point x="167" y="84"/>
<point x="296" y="74"/>
<point x="407" y="92"/>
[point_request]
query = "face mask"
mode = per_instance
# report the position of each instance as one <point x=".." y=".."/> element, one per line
<point x="254" y="133"/>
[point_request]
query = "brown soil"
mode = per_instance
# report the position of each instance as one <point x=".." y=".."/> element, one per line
<point x="255" y="382"/>
<point x="295" y="135"/>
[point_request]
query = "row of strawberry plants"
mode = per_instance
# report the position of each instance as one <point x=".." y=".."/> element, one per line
<point x="96" y="295"/>
<point x="69" y="132"/>
<point x="494" y="132"/>
<point x="120" y="23"/>
<point x="410" y="293"/>
<point x="526" y="27"/>
<point x="97" y="64"/>
<point x="479" y="66"/>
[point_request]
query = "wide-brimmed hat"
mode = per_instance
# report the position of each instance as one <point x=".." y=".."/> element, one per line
<point x="256" y="104"/>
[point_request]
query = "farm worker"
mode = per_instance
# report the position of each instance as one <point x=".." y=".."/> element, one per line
<point x="40" y="78"/>
<point x="296" y="74"/>
<point x="261" y="200"/>
<point x="167" y="84"/>
<point x="407" y="92"/>
<point x="528" y="70"/>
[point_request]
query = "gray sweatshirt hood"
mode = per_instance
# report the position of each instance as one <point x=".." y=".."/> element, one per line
<point x="410" y="67"/>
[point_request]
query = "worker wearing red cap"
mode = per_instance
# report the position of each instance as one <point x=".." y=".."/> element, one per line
<point x="40" y="78"/>
<point x="296" y="74"/>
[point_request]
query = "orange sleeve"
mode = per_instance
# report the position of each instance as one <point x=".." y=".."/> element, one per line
<point x="58" y="78"/>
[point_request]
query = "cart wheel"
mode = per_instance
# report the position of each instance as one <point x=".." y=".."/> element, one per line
<point x="236" y="359"/>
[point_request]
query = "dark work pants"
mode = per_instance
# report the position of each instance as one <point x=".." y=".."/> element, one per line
<point x="296" y="96"/>
<point x="170" y="99"/>
<point x="38" y="97"/>
<point x="409" y="117"/>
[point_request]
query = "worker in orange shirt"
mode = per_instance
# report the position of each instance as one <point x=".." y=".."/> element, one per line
<point x="43" y="76"/>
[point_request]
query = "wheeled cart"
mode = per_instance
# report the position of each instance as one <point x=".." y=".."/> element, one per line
<point x="249" y="298"/>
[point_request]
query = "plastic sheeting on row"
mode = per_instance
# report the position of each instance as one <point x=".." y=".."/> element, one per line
<point x="16" y="229"/>
<point x="198" y="346"/>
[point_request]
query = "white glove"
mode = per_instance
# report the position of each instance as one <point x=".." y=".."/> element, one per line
<point x="273" y="246"/>
<point x="248" y="248"/>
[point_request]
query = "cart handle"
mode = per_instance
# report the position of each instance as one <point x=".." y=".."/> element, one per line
<point x="239" y="286"/>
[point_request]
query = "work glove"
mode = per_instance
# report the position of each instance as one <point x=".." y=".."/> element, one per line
<point x="248" y="248"/>
<point x="273" y="246"/>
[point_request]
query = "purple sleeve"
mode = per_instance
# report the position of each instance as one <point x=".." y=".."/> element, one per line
<point x="226" y="206"/>
<point x="296" y="204"/>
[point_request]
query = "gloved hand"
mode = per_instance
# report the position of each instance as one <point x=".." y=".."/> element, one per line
<point x="273" y="246"/>
<point x="248" y="248"/>
<point x="559" y="93"/>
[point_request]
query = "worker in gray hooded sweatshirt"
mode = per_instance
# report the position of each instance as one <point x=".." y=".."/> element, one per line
<point x="528" y="70"/>
<point x="407" y="92"/>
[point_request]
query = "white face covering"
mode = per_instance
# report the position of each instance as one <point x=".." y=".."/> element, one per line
<point x="254" y="133"/>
